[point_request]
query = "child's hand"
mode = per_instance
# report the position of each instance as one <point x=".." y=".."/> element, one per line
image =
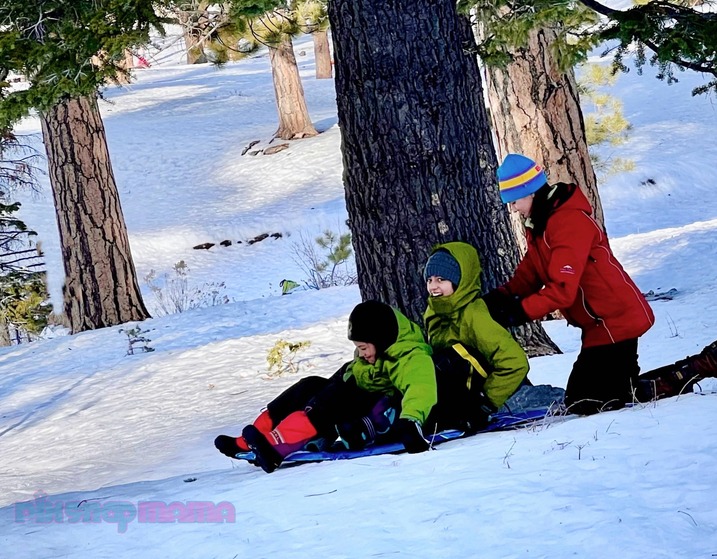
<point x="411" y="436"/>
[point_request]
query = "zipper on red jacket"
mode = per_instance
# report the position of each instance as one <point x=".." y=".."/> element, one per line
<point x="592" y="314"/>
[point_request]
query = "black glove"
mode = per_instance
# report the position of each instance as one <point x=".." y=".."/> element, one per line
<point x="411" y="436"/>
<point x="364" y="431"/>
<point x="480" y="411"/>
<point x="505" y="309"/>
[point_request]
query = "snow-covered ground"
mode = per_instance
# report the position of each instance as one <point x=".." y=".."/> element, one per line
<point x="96" y="434"/>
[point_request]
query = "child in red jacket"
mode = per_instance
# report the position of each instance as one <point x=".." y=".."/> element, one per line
<point x="570" y="267"/>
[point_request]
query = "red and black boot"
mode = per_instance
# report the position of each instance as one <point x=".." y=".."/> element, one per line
<point x="230" y="446"/>
<point x="290" y="435"/>
<point x="680" y="377"/>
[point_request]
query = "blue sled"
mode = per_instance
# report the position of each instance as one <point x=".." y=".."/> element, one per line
<point x="499" y="422"/>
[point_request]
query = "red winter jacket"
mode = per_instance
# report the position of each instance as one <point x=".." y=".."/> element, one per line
<point x="572" y="268"/>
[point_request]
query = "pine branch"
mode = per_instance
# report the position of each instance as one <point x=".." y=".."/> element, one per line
<point x="599" y="8"/>
<point x="676" y="34"/>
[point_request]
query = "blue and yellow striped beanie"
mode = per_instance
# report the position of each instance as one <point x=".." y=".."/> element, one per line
<point x="518" y="177"/>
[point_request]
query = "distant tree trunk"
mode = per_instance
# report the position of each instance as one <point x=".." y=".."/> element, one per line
<point x="322" y="55"/>
<point x="419" y="163"/>
<point x="101" y="286"/>
<point x="536" y="111"/>
<point x="127" y="64"/>
<point x="128" y="59"/>
<point x="4" y="334"/>
<point x="192" y="32"/>
<point x="294" y="120"/>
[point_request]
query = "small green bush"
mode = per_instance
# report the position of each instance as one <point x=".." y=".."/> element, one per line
<point x="281" y="357"/>
<point x="327" y="260"/>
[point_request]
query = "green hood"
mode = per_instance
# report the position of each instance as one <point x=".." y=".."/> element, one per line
<point x="463" y="317"/>
<point x="468" y="290"/>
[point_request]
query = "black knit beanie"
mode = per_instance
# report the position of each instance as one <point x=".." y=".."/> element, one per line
<point x="375" y="323"/>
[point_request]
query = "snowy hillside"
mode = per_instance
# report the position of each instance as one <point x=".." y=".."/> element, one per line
<point x="99" y="433"/>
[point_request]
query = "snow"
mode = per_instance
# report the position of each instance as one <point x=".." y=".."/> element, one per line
<point x="96" y="432"/>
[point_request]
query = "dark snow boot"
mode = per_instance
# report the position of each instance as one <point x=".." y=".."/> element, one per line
<point x="265" y="456"/>
<point x="292" y="434"/>
<point x="678" y="378"/>
<point x="231" y="446"/>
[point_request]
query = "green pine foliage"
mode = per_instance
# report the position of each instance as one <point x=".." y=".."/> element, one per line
<point x="24" y="300"/>
<point x="269" y="21"/>
<point x="505" y="25"/>
<point x="67" y="49"/>
<point x="681" y="34"/>
<point x="312" y="15"/>
<point x="248" y="9"/>
<point x="24" y="303"/>
<point x="282" y="356"/>
<point x="225" y="40"/>
<point x="605" y="123"/>
<point x="326" y="261"/>
<point x="274" y="27"/>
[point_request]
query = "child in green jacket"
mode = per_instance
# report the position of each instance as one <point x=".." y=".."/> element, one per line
<point x="461" y="332"/>
<point x="392" y="369"/>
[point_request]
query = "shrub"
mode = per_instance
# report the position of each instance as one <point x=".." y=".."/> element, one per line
<point x="174" y="294"/>
<point x="327" y="260"/>
<point x="137" y="336"/>
<point x="282" y="355"/>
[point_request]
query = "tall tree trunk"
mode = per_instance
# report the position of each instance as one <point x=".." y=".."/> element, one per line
<point x="536" y="111"/>
<point x="294" y="120"/>
<point x="322" y="55"/>
<point x="101" y="286"/>
<point x="419" y="163"/>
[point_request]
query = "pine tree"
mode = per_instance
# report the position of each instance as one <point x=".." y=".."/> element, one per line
<point x="68" y="51"/>
<point x="682" y="34"/>
<point x="274" y="23"/>
<point x="532" y="91"/>
<point x="314" y="18"/>
<point x="24" y="305"/>
<point x="419" y="165"/>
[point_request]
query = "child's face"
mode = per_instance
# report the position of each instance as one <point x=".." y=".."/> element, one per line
<point x="366" y="351"/>
<point x="439" y="287"/>
<point x="523" y="206"/>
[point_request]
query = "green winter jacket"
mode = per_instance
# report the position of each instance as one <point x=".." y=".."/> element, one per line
<point x="463" y="318"/>
<point x="405" y="367"/>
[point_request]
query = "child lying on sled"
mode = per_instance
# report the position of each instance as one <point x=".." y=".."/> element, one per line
<point x="391" y="374"/>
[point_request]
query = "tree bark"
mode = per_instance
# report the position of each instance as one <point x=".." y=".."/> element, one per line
<point x="419" y="163"/>
<point x="192" y="28"/>
<point x="4" y="334"/>
<point x="101" y="286"/>
<point x="322" y="55"/>
<point x="294" y="120"/>
<point x="127" y="63"/>
<point x="536" y="111"/>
